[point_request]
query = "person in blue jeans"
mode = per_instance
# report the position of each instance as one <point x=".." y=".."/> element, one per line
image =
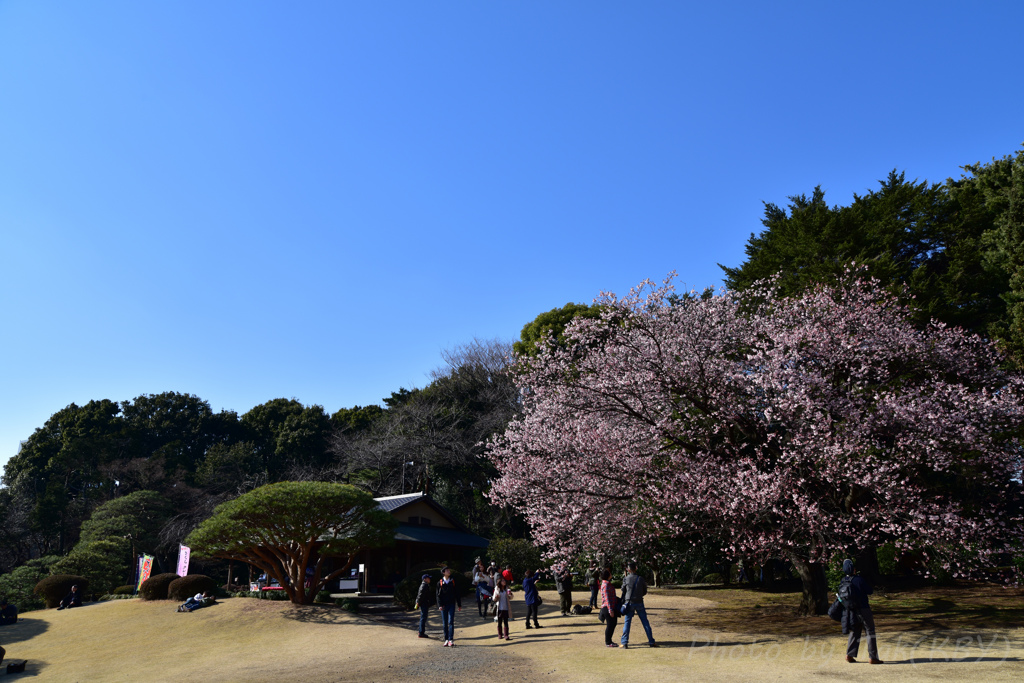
<point x="633" y="590"/>
<point x="447" y="601"/>
<point x="424" y="601"/>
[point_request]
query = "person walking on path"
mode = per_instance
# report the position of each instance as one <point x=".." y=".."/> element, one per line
<point x="531" y="597"/>
<point x="424" y="601"/>
<point x="858" y="617"/>
<point x="634" y="588"/>
<point x="447" y="600"/>
<point x="593" y="579"/>
<point x="609" y="607"/>
<point x="563" y="584"/>
<point x="479" y="584"/>
<point x="503" y="598"/>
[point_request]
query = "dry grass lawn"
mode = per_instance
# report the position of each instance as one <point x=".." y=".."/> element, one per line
<point x="252" y="640"/>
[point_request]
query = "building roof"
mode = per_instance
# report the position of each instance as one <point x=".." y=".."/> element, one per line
<point x="439" y="535"/>
<point x="392" y="503"/>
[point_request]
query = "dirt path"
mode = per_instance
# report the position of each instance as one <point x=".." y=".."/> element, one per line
<point x="250" y="640"/>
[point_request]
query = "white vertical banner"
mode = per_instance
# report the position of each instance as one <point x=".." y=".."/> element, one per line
<point x="183" y="555"/>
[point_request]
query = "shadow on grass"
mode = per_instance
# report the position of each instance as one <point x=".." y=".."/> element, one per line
<point x="320" y="614"/>
<point x="907" y="607"/>
<point x="25" y="629"/>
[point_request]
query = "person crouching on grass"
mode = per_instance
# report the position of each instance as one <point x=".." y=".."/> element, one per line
<point x="447" y="600"/>
<point x="502" y="596"/>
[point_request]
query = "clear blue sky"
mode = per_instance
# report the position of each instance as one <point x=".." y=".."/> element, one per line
<point x="252" y="200"/>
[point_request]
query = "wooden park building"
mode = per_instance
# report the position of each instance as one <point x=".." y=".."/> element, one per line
<point x="426" y="533"/>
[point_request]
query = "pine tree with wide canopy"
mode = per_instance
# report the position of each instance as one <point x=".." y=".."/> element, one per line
<point x="803" y="427"/>
<point x="283" y="528"/>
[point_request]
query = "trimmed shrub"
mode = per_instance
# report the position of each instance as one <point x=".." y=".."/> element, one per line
<point x="124" y="590"/>
<point x="52" y="589"/>
<point x="714" y="577"/>
<point x="104" y="563"/>
<point x="407" y="588"/>
<point x="155" y="587"/>
<point x="187" y="586"/>
<point x="17" y="585"/>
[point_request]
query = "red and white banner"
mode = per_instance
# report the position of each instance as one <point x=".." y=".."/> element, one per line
<point x="183" y="554"/>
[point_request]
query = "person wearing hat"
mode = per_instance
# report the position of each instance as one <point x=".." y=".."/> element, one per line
<point x="860" y="617"/>
<point x="424" y="601"/>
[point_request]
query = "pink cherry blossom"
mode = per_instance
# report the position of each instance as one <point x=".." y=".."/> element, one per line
<point x="804" y="426"/>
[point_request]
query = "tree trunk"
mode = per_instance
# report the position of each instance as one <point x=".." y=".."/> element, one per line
<point x="815" y="586"/>
<point x="768" y="575"/>
<point x="867" y="565"/>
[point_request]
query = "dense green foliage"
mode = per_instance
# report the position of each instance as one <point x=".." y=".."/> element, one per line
<point x="551" y="323"/>
<point x="284" y="528"/>
<point x="115" y="528"/>
<point x="185" y="587"/>
<point x="519" y="553"/>
<point x="53" y="588"/>
<point x="105" y="563"/>
<point x="18" y="586"/>
<point x="156" y="587"/>
<point x="148" y="471"/>
<point x="957" y="247"/>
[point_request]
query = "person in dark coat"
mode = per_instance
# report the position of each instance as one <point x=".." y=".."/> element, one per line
<point x="531" y="597"/>
<point x="424" y="601"/>
<point x="8" y="613"/>
<point x="859" y="617"/>
<point x="447" y="600"/>
<point x="593" y="579"/>
<point x="72" y="599"/>
<point x="563" y="584"/>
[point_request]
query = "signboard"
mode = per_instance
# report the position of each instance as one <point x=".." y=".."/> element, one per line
<point x="147" y="567"/>
<point x="183" y="554"/>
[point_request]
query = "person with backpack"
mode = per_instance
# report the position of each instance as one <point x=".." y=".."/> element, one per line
<point x="853" y="594"/>
<point x="634" y="588"/>
<point x="609" y="607"/>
